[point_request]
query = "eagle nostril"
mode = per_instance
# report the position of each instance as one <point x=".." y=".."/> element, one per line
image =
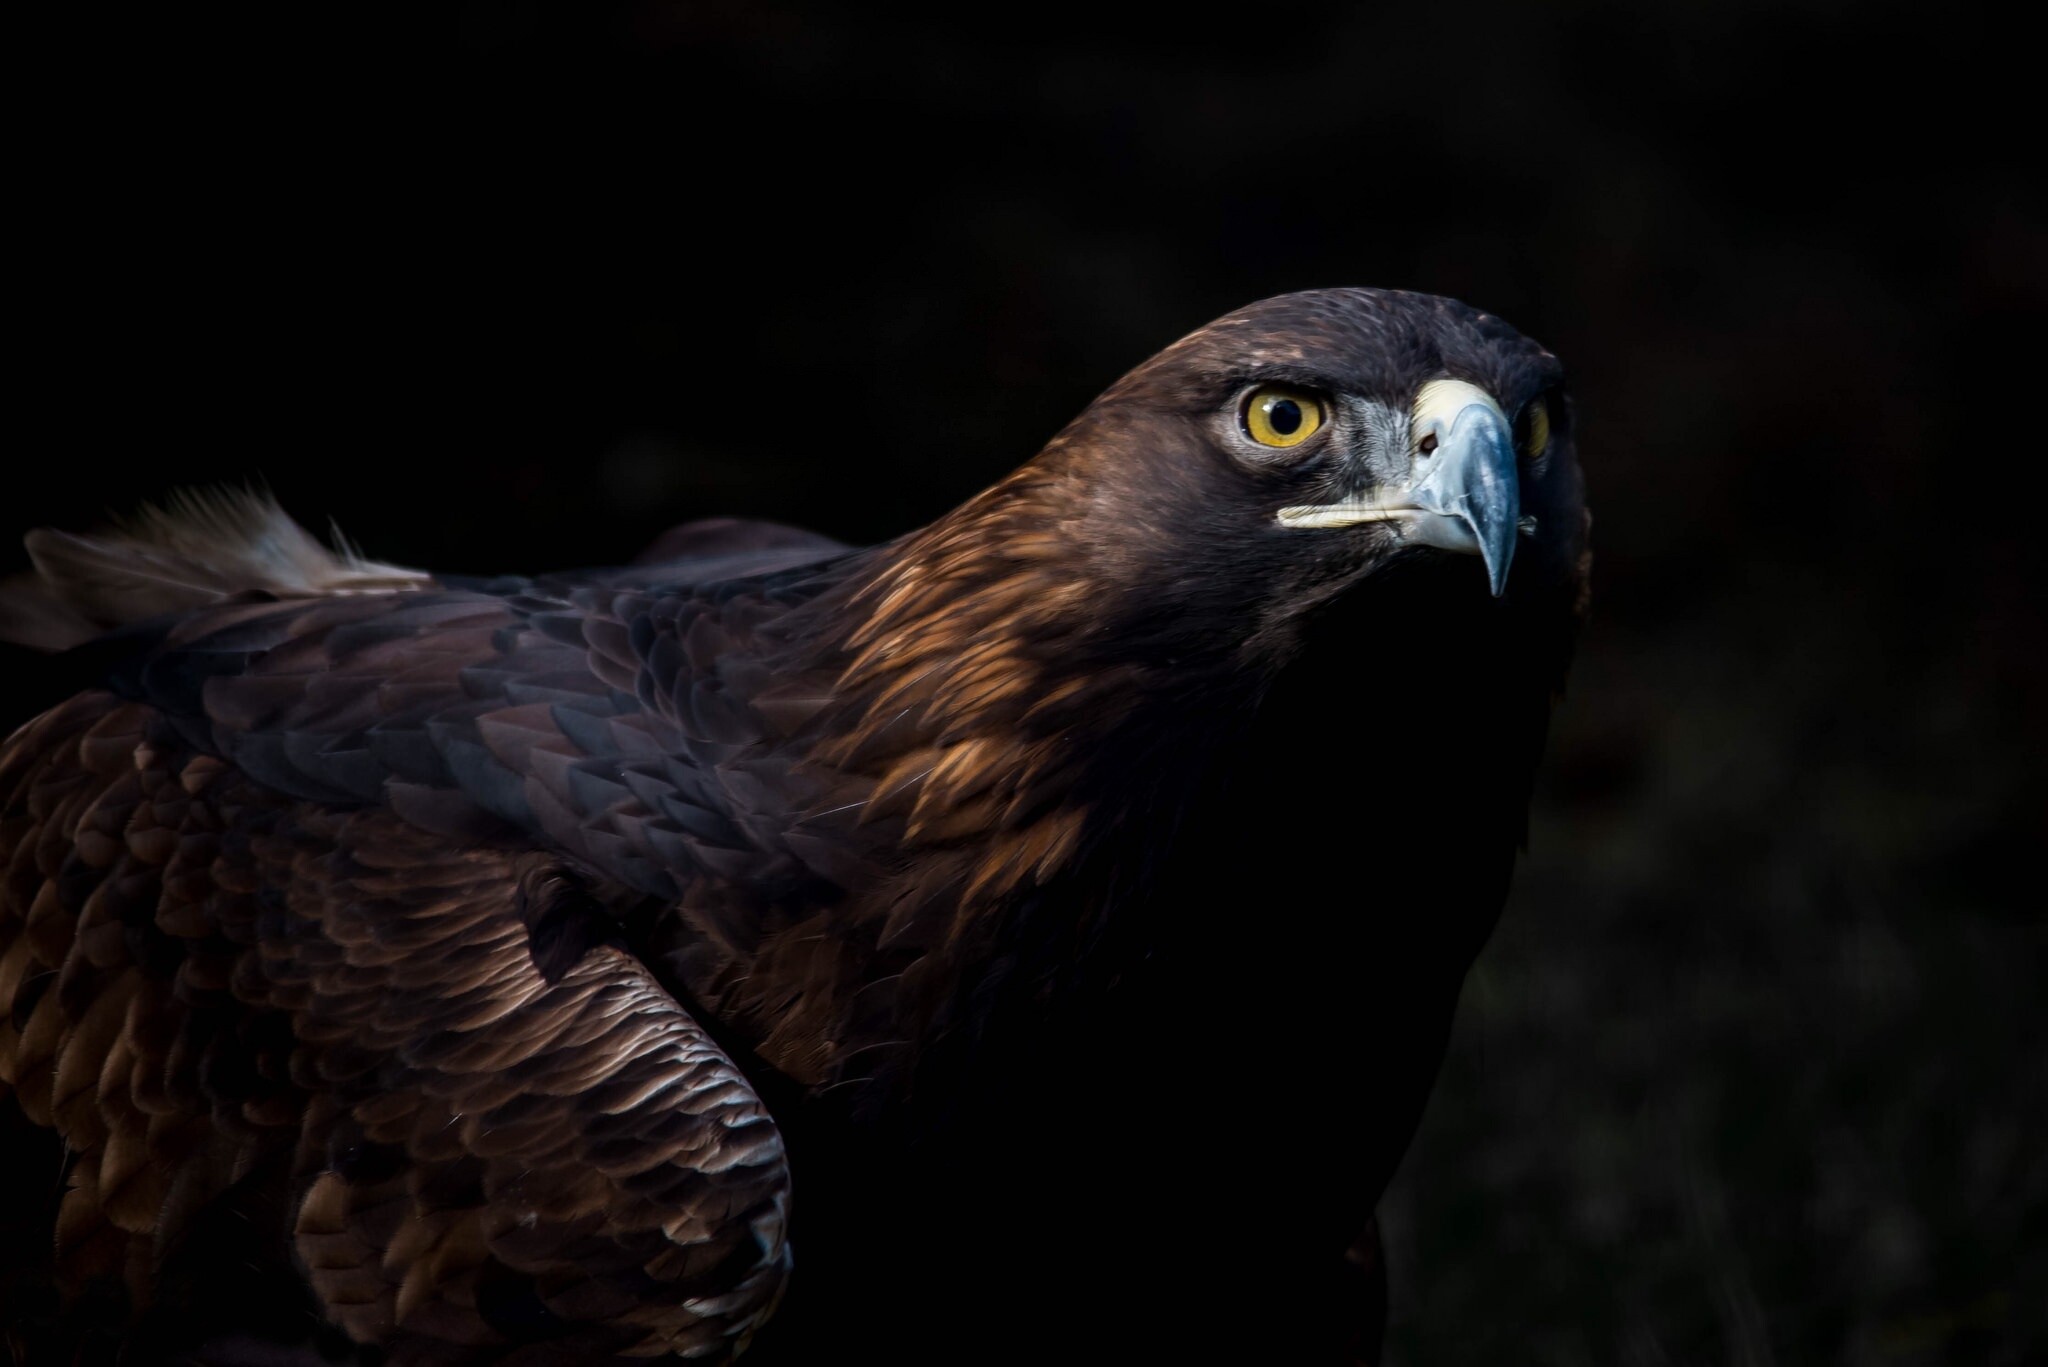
<point x="1427" y="446"/>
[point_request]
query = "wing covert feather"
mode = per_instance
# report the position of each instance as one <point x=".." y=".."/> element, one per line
<point x="612" y="724"/>
<point x="200" y="976"/>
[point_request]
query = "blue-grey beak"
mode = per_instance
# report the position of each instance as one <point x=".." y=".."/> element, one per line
<point x="1456" y="486"/>
<point x="1471" y="477"/>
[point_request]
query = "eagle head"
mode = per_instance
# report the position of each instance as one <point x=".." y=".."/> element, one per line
<point x="1268" y="462"/>
<point x="1395" y="469"/>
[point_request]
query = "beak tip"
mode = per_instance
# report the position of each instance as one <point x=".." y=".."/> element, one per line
<point x="1475" y="481"/>
<point x="1496" y="536"/>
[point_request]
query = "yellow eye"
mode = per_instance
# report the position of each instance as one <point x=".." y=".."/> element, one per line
<point x="1275" y="415"/>
<point x="1532" y="428"/>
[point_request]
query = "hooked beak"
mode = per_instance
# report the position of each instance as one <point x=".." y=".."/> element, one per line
<point x="1463" y="495"/>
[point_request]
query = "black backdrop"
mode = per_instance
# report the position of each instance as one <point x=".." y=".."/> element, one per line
<point x="1754" y="1071"/>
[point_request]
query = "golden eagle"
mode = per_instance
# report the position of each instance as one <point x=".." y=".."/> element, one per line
<point x="1046" y="924"/>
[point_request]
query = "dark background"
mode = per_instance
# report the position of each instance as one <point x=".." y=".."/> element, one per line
<point x="1754" y="1070"/>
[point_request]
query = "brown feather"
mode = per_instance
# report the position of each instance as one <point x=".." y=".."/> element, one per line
<point x="461" y="973"/>
<point x="199" y="549"/>
<point x="277" y="934"/>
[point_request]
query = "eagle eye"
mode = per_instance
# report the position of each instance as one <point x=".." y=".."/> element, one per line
<point x="1532" y="428"/>
<point x="1276" y="415"/>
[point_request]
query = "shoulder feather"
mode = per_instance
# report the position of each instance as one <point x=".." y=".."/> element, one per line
<point x="198" y="549"/>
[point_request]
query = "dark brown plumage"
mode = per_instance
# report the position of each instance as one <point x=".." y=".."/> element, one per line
<point x="1051" y="917"/>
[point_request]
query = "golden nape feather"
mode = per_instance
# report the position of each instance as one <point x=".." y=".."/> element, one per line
<point x="536" y="970"/>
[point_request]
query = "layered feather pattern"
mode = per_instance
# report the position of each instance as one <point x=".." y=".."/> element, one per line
<point x="517" y="970"/>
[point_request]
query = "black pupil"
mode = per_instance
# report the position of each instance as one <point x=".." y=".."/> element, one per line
<point x="1285" y="416"/>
